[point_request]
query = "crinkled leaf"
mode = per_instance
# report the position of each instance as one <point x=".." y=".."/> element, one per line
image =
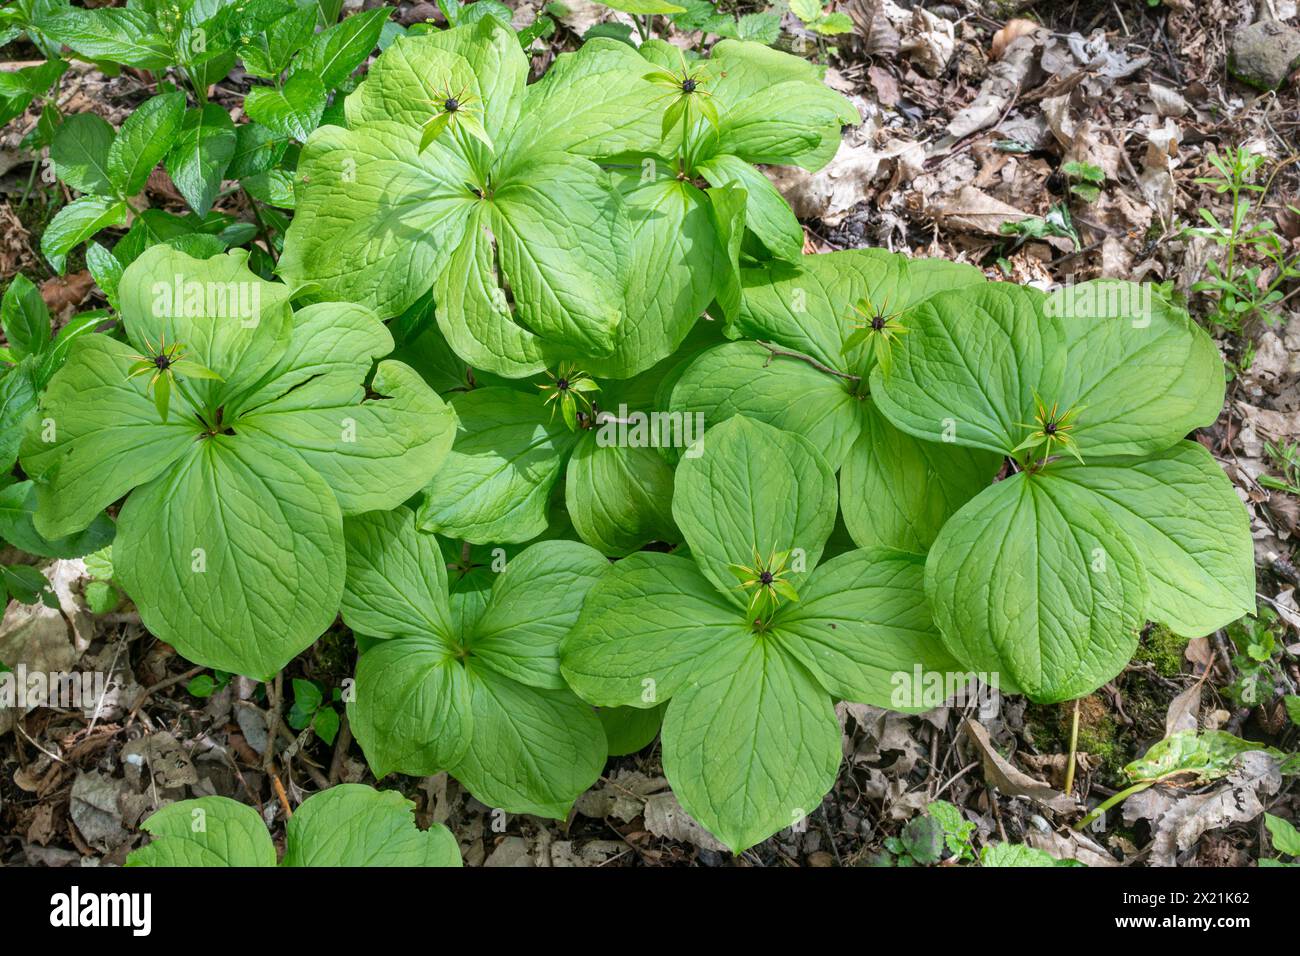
<point x="203" y="150"/>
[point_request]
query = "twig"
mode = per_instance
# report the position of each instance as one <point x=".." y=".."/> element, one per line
<point x="341" y="746"/>
<point x="161" y="685"/>
<point x="786" y="353"/>
<point x="279" y="792"/>
<point x="274" y="690"/>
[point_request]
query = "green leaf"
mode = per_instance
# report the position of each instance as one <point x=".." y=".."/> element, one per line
<point x="126" y="35"/>
<point x="1195" y="758"/>
<point x="267" y="55"/>
<point x="861" y="621"/>
<point x="495" y="484"/>
<point x="485" y="701"/>
<point x="17" y="508"/>
<point x="396" y="578"/>
<point x="768" y="215"/>
<point x="897" y="491"/>
<point x="533" y="604"/>
<point x="1286" y="839"/>
<point x="102" y="437"/>
<point x="614" y="658"/>
<point x="674" y="258"/>
<point x="203" y="150"/>
<point x="970" y="367"/>
<point x="1020" y="854"/>
<point x="774" y="107"/>
<point x="618" y="497"/>
<point x="1143" y="373"/>
<point x="560" y="233"/>
<point x="208" y="831"/>
<point x="80" y="152"/>
<point x="184" y="556"/>
<point x="806" y="10"/>
<point x="412" y="710"/>
<point x="17" y="404"/>
<point x="494" y="53"/>
<point x="629" y="729"/>
<point x="643" y="7"/>
<point x="146" y="136"/>
<point x="743" y="378"/>
<point x="381" y="255"/>
<point x="753" y="746"/>
<point x="755" y="489"/>
<point x="77" y="222"/>
<point x="809" y="305"/>
<point x="1032" y="582"/>
<point x="353" y="825"/>
<point x="533" y="750"/>
<point x="227" y="318"/>
<point x="292" y="110"/>
<point x="1188" y="527"/>
<point x="25" y="317"/>
<point x="591" y="102"/>
<point x="332" y="55"/>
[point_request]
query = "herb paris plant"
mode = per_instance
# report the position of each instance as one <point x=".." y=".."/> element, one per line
<point x="347" y="825"/>
<point x="750" y="739"/>
<point x="1046" y="576"/>
<point x="231" y="538"/>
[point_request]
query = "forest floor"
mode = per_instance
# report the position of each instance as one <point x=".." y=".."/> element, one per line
<point x="970" y="126"/>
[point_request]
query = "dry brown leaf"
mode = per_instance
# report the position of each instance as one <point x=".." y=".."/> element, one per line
<point x="1014" y="28"/>
<point x="1006" y="779"/>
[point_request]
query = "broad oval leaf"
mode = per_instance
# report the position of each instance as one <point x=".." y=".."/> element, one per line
<point x="1033" y="582"/>
<point x="755" y="490"/>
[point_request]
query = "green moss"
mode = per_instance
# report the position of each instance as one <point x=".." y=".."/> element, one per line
<point x="1163" y="650"/>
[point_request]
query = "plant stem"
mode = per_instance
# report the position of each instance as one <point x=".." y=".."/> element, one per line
<point x="1111" y="801"/>
<point x="1074" y="745"/>
<point x="778" y="351"/>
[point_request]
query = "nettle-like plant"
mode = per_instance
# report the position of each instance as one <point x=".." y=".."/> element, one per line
<point x="816" y="328"/>
<point x="750" y="641"/>
<point x="347" y="825"/>
<point x="252" y="431"/>
<point x="1109" y="518"/>
<point x="468" y="681"/>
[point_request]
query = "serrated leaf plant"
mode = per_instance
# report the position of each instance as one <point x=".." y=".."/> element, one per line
<point x="346" y="825"/>
<point x="1109" y="517"/>
<point x="469" y="682"/>
<point x="750" y="739"/>
<point x="230" y="539"/>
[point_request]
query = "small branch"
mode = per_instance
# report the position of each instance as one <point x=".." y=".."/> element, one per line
<point x="274" y="691"/>
<point x="161" y="685"/>
<point x="786" y="353"/>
